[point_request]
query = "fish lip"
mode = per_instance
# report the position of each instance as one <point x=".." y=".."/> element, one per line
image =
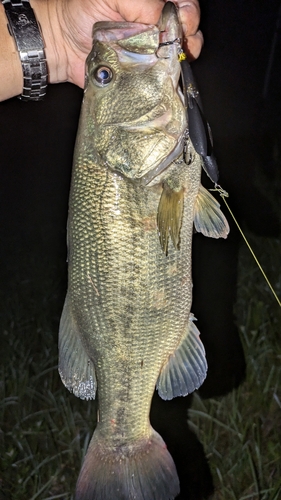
<point x="169" y="25"/>
<point x="113" y="31"/>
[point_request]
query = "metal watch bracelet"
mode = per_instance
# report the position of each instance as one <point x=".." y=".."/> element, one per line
<point x="23" y="26"/>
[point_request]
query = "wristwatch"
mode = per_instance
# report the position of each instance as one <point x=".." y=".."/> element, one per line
<point x="23" y="26"/>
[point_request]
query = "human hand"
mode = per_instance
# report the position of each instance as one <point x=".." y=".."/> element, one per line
<point x="189" y="12"/>
<point x="67" y="29"/>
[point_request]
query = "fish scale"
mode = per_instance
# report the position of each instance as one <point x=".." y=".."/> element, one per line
<point x="115" y="246"/>
<point x="126" y="325"/>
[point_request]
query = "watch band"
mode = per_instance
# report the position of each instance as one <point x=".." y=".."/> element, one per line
<point x="23" y="26"/>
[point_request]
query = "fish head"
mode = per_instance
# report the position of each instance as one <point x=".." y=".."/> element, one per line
<point x="134" y="108"/>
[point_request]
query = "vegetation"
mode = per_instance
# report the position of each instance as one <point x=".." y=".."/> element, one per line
<point x="241" y="432"/>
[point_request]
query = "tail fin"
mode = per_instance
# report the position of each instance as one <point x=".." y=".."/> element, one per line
<point x="143" y="470"/>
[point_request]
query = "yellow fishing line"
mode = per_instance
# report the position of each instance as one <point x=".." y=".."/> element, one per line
<point x="224" y="195"/>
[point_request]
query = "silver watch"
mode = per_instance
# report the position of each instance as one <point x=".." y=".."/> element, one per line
<point x="23" y="26"/>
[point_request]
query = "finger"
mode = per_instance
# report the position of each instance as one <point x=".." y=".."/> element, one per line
<point x="146" y="11"/>
<point x="192" y="45"/>
<point x="189" y="13"/>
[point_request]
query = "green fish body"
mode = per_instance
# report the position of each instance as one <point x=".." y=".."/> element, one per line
<point x="126" y="325"/>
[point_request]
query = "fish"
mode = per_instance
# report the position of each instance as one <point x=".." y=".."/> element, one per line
<point x="135" y="199"/>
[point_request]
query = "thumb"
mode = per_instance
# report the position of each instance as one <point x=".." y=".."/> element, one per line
<point x="145" y="11"/>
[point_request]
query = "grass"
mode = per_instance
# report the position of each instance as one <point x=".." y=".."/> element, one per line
<point x="44" y="430"/>
<point x="241" y="432"/>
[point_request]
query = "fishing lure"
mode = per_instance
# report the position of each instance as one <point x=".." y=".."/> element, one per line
<point x="199" y="129"/>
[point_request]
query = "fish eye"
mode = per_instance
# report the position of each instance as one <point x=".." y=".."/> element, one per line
<point x="103" y="75"/>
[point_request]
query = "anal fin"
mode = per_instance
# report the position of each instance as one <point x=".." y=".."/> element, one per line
<point x="208" y="217"/>
<point x="75" y="367"/>
<point x="186" y="368"/>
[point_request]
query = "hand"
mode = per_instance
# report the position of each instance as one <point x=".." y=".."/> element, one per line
<point x="189" y="12"/>
<point x="67" y="29"/>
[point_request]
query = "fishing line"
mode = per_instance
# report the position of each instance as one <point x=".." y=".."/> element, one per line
<point x="209" y="162"/>
<point x="224" y="195"/>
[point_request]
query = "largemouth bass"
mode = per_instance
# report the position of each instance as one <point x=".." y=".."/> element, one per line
<point x="126" y="325"/>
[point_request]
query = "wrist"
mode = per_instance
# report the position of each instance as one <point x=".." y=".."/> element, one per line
<point x="48" y="17"/>
<point x="11" y="68"/>
<point x="10" y="64"/>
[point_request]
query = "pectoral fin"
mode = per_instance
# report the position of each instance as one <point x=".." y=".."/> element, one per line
<point x="75" y="367"/>
<point x="169" y="217"/>
<point x="208" y="217"/>
<point x="186" y="368"/>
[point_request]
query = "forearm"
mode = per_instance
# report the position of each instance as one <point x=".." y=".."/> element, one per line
<point x="11" y="80"/>
<point x="11" y="75"/>
<point x="67" y="35"/>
